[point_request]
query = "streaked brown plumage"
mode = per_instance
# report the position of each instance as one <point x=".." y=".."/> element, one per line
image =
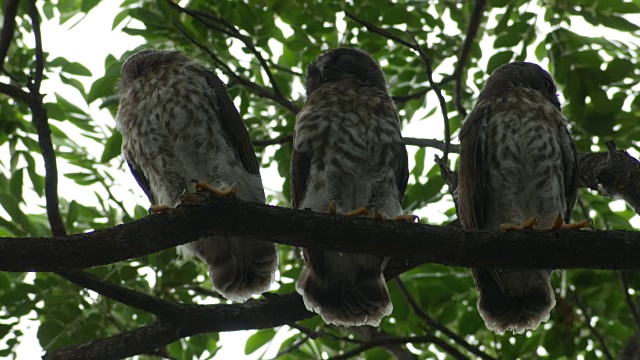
<point x="348" y="150"/>
<point x="178" y="123"/>
<point x="517" y="161"/>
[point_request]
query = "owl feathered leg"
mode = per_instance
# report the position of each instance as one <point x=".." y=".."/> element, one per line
<point x="345" y="289"/>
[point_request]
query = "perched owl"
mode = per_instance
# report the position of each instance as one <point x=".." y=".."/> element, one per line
<point x="178" y="123"/>
<point x="348" y="154"/>
<point x="518" y="165"/>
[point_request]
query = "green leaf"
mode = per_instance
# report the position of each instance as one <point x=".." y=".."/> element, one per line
<point x="112" y="148"/>
<point x="16" y="184"/>
<point x="257" y="340"/>
<point x="499" y="59"/>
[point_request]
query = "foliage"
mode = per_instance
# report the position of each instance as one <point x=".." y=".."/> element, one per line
<point x="597" y="76"/>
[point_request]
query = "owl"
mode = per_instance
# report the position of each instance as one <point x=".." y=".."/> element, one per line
<point x="518" y="170"/>
<point x="178" y="123"/>
<point x="348" y="155"/>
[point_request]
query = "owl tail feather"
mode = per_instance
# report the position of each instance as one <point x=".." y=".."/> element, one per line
<point x="514" y="300"/>
<point x="238" y="268"/>
<point x="363" y="301"/>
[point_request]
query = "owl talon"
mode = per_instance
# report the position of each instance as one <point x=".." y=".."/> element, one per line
<point x="159" y="209"/>
<point x="379" y="215"/>
<point x="560" y="225"/>
<point x="407" y="218"/>
<point x="527" y="225"/>
<point x="201" y="185"/>
<point x="358" y="212"/>
<point x="332" y="208"/>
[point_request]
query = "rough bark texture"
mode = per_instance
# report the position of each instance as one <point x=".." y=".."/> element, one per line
<point x="444" y="245"/>
<point x="614" y="173"/>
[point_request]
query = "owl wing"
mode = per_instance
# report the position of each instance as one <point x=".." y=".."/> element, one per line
<point x="141" y="179"/>
<point x="233" y="125"/>
<point x="571" y="174"/>
<point x="402" y="169"/>
<point x="300" y="168"/>
<point x="473" y="176"/>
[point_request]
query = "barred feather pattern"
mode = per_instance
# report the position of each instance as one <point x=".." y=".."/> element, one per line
<point x="350" y="138"/>
<point x="178" y="124"/>
<point x="517" y="161"/>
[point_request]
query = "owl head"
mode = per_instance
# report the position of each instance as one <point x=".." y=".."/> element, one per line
<point x="344" y="64"/>
<point x="522" y="75"/>
<point x="143" y="61"/>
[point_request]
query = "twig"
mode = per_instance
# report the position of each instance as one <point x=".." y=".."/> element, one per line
<point x="233" y="31"/>
<point x="594" y="331"/>
<point x="437" y="325"/>
<point x="314" y="334"/>
<point x="401" y="340"/>
<point x="441" y="100"/>
<point x="415" y="46"/>
<point x="123" y="295"/>
<point x="296" y="344"/>
<point x="472" y="31"/>
<point x="379" y="31"/>
<point x="257" y="89"/>
<point x="276" y="141"/>
<point x="8" y="28"/>
<point x="398" y="99"/>
<point x="630" y="303"/>
<point x="431" y="143"/>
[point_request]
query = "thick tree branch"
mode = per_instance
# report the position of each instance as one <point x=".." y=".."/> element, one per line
<point x="276" y="310"/>
<point x="41" y="123"/>
<point x="472" y="31"/>
<point x="279" y="140"/>
<point x="444" y="245"/>
<point x="8" y="28"/>
<point x="614" y="173"/>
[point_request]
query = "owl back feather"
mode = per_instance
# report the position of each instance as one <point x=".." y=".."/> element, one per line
<point x="178" y="123"/>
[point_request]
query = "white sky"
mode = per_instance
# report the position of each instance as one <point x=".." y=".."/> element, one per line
<point x="89" y="42"/>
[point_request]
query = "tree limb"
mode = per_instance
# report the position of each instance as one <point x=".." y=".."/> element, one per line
<point x="8" y="28"/>
<point x="614" y="173"/>
<point x="472" y="31"/>
<point x="276" y="310"/>
<point x="444" y="245"/>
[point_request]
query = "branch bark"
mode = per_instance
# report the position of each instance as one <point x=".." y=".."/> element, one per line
<point x="614" y="173"/>
<point x="445" y="245"/>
